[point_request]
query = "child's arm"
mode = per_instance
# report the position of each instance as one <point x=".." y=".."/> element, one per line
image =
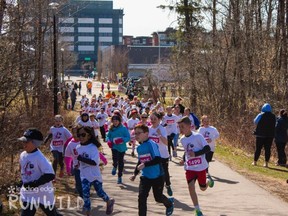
<point x="205" y="150"/>
<point x="45" y="178"/>
<point x="136" y="171"/>
<point x="86" y="160"/>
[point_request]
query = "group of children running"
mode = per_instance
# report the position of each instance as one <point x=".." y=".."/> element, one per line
<point x="151" y="130"/>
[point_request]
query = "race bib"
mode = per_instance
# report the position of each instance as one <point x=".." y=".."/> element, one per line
<point x="144" y="158"/>
<point x="170" y="121"/>
<point x="57" y="143"/>
<point x="194" y="161"/>
<point x="155" y="139"/>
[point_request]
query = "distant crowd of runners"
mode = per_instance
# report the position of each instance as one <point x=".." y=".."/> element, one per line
<point x="153" y="131"/>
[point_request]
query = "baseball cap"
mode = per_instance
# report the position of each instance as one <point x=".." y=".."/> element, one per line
<point x="32" y="134"/>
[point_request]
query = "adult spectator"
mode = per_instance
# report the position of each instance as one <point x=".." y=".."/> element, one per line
<point x="265" y="132"/>
<point x="79" y="87"/>
<point x="281" y="137"/>
<point x="177" y="102"/>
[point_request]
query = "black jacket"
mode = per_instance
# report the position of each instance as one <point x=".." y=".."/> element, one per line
<point x="266" y="125"/>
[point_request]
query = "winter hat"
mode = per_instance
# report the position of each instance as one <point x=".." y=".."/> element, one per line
<point x="116" y="117"/>
<point x="34" y="135"/>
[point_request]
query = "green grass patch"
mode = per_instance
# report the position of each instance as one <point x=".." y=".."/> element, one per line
<point x="241" y="162"/>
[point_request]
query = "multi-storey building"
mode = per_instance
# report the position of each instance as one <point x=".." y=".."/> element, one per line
<point x="87" y="25"/>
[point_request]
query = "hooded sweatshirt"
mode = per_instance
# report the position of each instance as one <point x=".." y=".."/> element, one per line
<point x="265" y="122"/>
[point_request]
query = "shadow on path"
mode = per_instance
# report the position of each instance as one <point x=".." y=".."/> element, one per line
<point x="215" y="178"/>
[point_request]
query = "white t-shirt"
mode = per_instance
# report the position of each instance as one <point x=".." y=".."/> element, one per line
<point x="209" y="132"/>
<point x="101" y="118"/>
<point x="171" y="122"/>
<point x="89" y="172"/>
<point x="132" y="123"/>
<point x="195" y="142"/>
<point x="154" y="136"/>
<point x="71" y="151"/>
<point x="87" y="123"/>
<point x="59" y="136"/>
<point x="33" y="166"/>
<point x="95" y="126"/>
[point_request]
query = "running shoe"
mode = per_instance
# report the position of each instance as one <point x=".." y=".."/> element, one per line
<point x="109" y="207"/>
<point x="170" y="210"/>
<point x="198" y="213"/>
<point x="210" y="181"/>
<point x="119" y="181"/>
<point x="169" y="190"/>
<point x="114" y="171"/>
<point x="174" y="154"/>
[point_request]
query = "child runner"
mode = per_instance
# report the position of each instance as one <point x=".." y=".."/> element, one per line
<point x="117" y="137"/>
<point x="102" y="118"/>
<point x="71" y="151"/>
<point x="210" y="134"/>
<point x="60" y="135"/>
<point x="131" y="124"/>
<point x="149" y="162"/>
<point x="36" y="175"/>
<point x="158" y="134"/>
<point x="195" y="164"/>
<point x="169" y="121"/>
<point x="90" y="174"/>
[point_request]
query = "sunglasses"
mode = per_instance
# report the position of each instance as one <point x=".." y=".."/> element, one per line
<point x="144" y="117"/>
<point x="81" y="134"/>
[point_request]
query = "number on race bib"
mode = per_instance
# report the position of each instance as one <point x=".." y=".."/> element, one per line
<point x="194" y="161"/>
<point x="57" y="143"/>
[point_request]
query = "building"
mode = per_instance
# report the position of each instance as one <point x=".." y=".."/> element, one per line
<point x="137" y="41"/>
<point x="87" y="25"/>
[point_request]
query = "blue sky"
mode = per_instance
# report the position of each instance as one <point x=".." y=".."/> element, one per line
<point x="142" y="17"/>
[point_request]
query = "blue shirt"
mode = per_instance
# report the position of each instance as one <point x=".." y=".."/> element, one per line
<point x="147" y="151"/>
<point x="119" y="132"/>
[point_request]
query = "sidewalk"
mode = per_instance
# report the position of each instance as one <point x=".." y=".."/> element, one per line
<point x="232" y="194"/>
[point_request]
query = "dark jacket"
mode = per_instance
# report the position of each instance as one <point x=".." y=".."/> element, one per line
<point x="73" y="95"/>
<point x="281" y="129"/>
<point x="265" y="122"/>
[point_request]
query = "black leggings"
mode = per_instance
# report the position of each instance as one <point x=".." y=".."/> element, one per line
<point x="170" y="139"/>
<point x="144" y="188"/>
<point x="31" y="209"/>
<point x="165" y="165"/>
<point x="58" y="159"/>
<point x="267" y="143"/>
<point x="282" y="159"/>
<point x="118" y="161"/>
<point x="103" y="133"/>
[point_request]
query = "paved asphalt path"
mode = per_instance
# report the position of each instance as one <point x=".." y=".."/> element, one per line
<point x="232" y="194"/>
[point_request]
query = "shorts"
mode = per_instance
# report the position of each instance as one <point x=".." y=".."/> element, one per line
<point x="196" y="175"/>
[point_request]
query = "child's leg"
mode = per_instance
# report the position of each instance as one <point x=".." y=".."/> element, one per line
<point x="61" y="163"/>
<point x="78" y="183"/>
<point x="193" y="194"/>
<point x="55" y="160"/>
<point x="86" y="195"/>
<point x="68" y="162"/>
<point x="165" y="165"/>
<point x="115" y="158"/>
<point x="49" y="210"/>
<point x="157" y="187"/>
<point x="144" y="188"/>
<point x="28" y="210"/>
<point x="99" y="190"/>
<point x="120" y="163"/>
